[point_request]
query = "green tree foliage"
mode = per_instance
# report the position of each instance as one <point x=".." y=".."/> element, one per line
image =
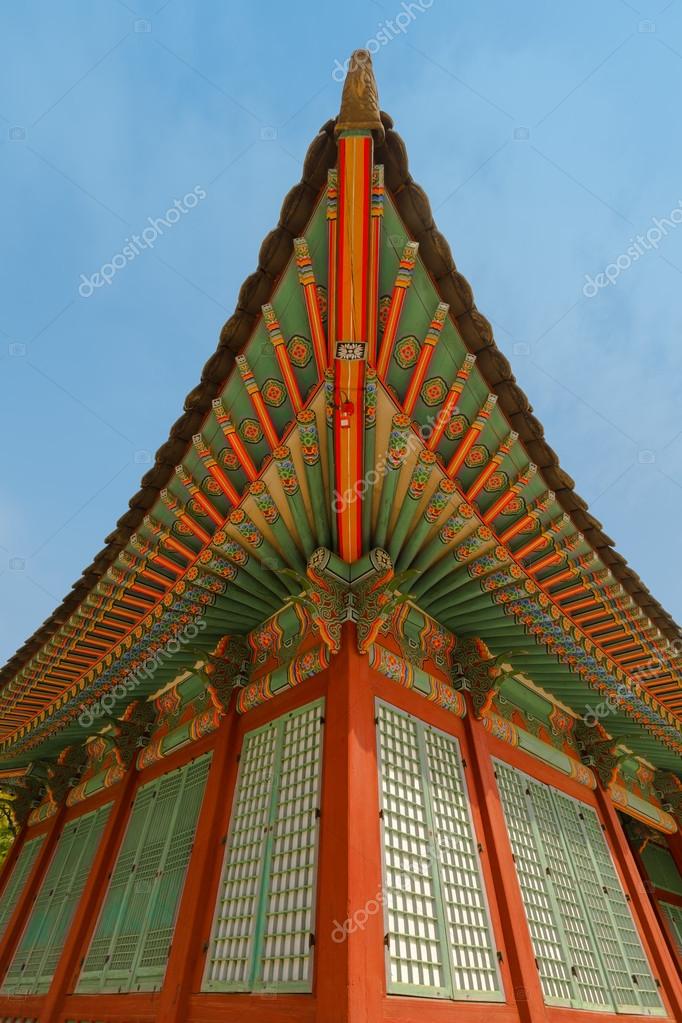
<point x="7" y="831"/>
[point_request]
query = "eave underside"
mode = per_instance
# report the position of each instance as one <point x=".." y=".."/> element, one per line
<point x="215" y="527"/>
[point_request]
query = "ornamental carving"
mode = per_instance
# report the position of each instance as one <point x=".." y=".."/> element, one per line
<point x="27" y="791"/>
<point x="132" y="731"/>
<point x="325" y="597"/>
<point x="668" y="788"/>
<point x="65" y="773"/>
<point x="375" y="598"/>
<point x="360" y="98"/>
<point x="228" y="668"/>
<point x="481" y="673"/>
<point x="599" y="751"/>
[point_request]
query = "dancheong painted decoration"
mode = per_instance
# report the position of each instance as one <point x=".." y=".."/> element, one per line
<point x="358" y="716"/>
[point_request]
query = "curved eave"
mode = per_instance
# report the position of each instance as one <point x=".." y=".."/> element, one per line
<point x="173" y="503"/>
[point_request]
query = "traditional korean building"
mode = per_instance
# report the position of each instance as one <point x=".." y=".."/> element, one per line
<point x="358" y="716"/>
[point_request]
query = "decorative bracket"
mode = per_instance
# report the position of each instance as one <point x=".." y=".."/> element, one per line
<point x="375" y="595"/>
<point x="599" y="751"/>
<point x="365" y="592"/>
<point x="640" y="836"/>
<point x="133" y="730"/>
<point x="28" y="789"/>
<point x="481" y="673"/>
<point x="668" y="788"/>
<point x="228" y="668"/>
<point x="64" y="774"/>
<point x="326" y="596"/>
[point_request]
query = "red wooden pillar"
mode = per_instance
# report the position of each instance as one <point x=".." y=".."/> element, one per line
<point x="644" y="913"/>
<point x="675" y="847"/>
<point x="199" y="886"/>
<point x="649" y="887"/>
<point x="18" y="919"/>
<point x="527" y="992"/>
<point x="349" y="951"/>
<point x="86" y="911"/>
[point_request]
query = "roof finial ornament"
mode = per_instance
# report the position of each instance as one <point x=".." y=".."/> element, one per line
<point x="360" y="98"/>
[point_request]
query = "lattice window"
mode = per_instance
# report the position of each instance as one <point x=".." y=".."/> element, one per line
<point x="577" y="935"/>
<point x="640" y="978"/>
<point x="438" y="932"/>
<point x="41" y="944"/>
<point x="130" y="947"/>
<point x="585" y="940"/>
<point x="264" y="919"/>
<point x="674" y="915"/>
<point x="18" y="878"/>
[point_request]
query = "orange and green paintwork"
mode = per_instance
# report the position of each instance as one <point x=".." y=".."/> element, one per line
<point x="350" y="280"/>
<point x="352" y="304"/>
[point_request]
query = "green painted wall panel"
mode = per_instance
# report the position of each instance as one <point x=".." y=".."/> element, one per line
<point x="130" y="947"/>
<point x="41" y="944"/>
<point x="18" y="878"/>
<point x="661" y="868"/>
<point x="674" y="914"/>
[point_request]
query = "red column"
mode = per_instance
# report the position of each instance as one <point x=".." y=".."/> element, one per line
<point x="651" y="891"/>
<point x="18" y="919"/>
<point x="675" y="847"/>
<point x="644" y="913"/>
<point x="349" y="951"/>
<point x="86" y="911"/>
<point x="199" y="887"/>
<point x="526" y="979"/>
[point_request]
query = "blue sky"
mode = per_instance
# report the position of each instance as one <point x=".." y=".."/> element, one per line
<point x="546" y="136"/>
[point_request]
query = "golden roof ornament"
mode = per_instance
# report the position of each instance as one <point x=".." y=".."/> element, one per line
<point x="360" y="97"/>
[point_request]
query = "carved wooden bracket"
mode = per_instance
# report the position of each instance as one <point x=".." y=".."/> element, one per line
<point x="365" y="592"/>
<point x="480" y="673"/>
<point x="65" y="773"/>
<point x="668" y="788"/>
<point x="375" y="597"/>
<point x="599" y="751"/>
<point x="325" y="597"/>
<point x="228" y="668"/>
<point x="132" y="731"/>
<point x="27" y="788"/>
